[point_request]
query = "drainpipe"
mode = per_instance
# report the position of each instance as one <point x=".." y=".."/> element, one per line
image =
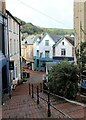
<point x="8" y="56"/>
<point x="20" y="45"/>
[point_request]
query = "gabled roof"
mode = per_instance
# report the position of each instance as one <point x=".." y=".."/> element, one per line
<point x="59" y="40"/>
<point x="12" y="17"/>
<point x="35" y="39"/>
<point x="55" y="37"/>
<point x="70" y="40"/>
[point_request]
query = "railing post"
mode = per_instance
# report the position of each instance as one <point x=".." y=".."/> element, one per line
<point x="2" y="98"/>
<point x="37" y="95"/>
<point x="32" y="92"/>
<point x="9" y="92"/>
<point x="49" y="111"/>
<point x="29" y="89"/>
<point x="40" y="87"/>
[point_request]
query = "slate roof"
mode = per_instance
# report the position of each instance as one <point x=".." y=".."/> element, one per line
<point x="55" y="37"/>
<point x="29" y="40"/>
<point x="70" y="39"/>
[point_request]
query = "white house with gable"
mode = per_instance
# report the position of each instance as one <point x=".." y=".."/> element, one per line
<point x="43" y="51"/>
<point x="64" y="48"/>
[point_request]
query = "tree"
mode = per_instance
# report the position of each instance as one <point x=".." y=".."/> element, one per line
<point x="63" y="79"/>
<point x="81" y="56"/>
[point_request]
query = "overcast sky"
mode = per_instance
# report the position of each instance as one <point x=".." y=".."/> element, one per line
<point x="43" y="13"/>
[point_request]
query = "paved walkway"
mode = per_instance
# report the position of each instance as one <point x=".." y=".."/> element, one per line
<point x="23" y="106"/>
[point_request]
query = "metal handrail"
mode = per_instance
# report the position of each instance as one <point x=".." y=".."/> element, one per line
<point x="55" y="107"/>
<point x="47" y="101"/>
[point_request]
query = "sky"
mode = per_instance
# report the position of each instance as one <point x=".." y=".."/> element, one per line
<point x="43" y="13"/>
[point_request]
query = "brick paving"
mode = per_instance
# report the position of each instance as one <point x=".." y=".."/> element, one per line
<point x="23" y="106"/>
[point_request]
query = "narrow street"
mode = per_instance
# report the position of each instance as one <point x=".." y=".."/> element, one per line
<point x="22" y="105"/>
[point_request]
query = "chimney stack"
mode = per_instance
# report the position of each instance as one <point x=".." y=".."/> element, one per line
<point x="3" y="6"/>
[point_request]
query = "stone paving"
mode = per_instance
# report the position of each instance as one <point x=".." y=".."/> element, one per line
<point x="21" y="105"/>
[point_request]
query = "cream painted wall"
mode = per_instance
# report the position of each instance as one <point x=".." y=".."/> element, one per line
<point x="27" y="51"/>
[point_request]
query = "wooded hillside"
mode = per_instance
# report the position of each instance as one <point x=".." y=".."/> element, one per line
<point x="29" y="28"/>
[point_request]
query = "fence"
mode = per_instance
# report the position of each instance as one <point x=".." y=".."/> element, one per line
<point x="34" y="92"/>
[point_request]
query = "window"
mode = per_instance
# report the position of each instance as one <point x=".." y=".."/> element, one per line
<point x="37" y="53"/>
<point x="11" y="49"/>
<point x="14" y="46"/>
<point x="14" y="26"/>
<point x="62" y="43"/>
<point x="46" y="53"/>
<point x="53" y="51"/>
<point x="46" y="42"/>
<point x="17" y="46"/>
<point x="10" y="24"/>
<point x="63" y="52"/>
<point x="16" y="71"/>
<point x="41" y="54"/>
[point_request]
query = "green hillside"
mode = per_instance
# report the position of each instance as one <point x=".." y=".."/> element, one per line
<point x="29" y="28"/>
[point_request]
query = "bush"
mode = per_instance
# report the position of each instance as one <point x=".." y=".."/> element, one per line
<point x="63" y="79"/>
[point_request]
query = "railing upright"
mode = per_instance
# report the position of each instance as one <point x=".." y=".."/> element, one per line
<point x="37" y="95"/>
<point x="49" y="111"/>
<point x="32" y="92"/>
<point x="29" y="89"/>
<point x="10" y="92"/>
<point x="40" y="87"/>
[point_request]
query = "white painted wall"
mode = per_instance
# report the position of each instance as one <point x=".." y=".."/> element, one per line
<point x="14" y="49"/>
<point x="42" y="48"/>
<point x="35" y="47"/>
<point x="67" y="45"/>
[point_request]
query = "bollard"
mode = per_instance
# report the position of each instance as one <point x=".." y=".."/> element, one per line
<point x="29" y="89"/>
<point x="32" y="92"/>
<point x="37" y="95"/>
<point x="49" y="111"/>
